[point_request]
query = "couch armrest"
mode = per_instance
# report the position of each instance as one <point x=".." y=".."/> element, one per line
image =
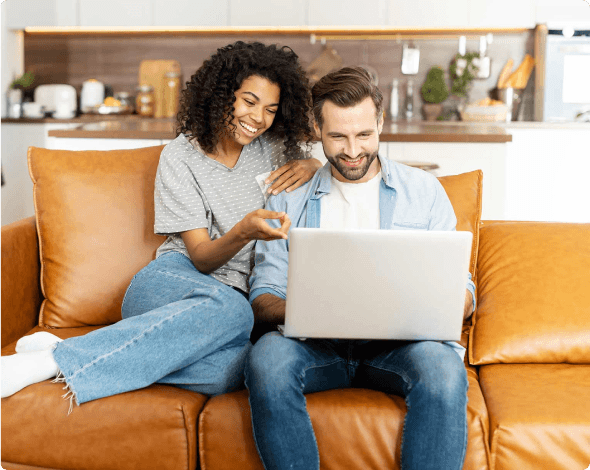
<point x="21" y="287"/>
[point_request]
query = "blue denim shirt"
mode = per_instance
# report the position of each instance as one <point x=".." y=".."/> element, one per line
<point x="409" y="199"/>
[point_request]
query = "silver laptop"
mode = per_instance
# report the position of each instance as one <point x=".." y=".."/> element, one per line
<point x="376" y="284"/>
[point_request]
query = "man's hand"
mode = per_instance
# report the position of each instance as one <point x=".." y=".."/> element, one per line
<point x="468" y="309"/>
<point x="254" y="226"/>
<point x="292" y="175"/>
<point x="269" y="308"/>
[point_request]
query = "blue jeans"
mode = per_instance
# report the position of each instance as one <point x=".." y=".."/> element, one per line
<point x="179" y="327"/>
<point x="429" y="375"/>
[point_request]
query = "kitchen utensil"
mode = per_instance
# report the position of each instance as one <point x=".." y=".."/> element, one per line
<point x="483" y="62"/>
<point x="505" y="73"/>
<point x="409" y="100"/>
<point x="520" y="77"/>
<point x="171" y="94"/>
<point x="394" y="100"/>
<point x="57" y="97"/>
<point x="14" y="97"/>
<point x="512" y="97"/>
<point x="33" y="110"/>
<point x="153" y="73"/>
<point x="92" y="95"/>
<point x="125" y="99"/>
<point x="410" y="60"/>
<point x="144" y="100"/>
<point x="328" y="61"/>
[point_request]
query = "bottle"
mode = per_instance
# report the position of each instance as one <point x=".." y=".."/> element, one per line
<point x="171" y="93"/>
<point x="409" y="101"/>
<point x="144" y="101"/>
<point x="394" y="100"/>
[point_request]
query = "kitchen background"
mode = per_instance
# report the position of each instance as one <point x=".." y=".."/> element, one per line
<point x="71" y="41"/>
<point x="115" y="60"/>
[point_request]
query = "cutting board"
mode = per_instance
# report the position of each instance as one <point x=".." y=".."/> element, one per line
<point x="153" y="73"/>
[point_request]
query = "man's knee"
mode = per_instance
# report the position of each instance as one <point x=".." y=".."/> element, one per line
<point x="442" y="374"/>
<point x="272" y="362"/>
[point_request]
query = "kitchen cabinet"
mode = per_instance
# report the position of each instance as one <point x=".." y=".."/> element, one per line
<point x="501" y="13"/>
<point x="455" y="158"/>
<point x="191" y="13"/>
<point x="23" y="13"/>
<point x="66" y="12"/>
<point x="61" y="143"/>
<point x="428" y="14"/>
<point x="558" y="13"/>
<point x="116" y="12"/>
<point x="348" y="12"/>
<point x="268" y="13"/>
<point x="547" y="175"/>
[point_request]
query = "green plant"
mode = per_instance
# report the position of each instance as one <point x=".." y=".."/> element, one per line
<point x="24" y="81"/>
<point x="435" y="89"/>
<point x="463" y="71"/>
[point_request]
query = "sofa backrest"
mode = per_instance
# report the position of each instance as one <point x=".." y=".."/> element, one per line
<point x="95" y="220"/>
<point x="533" y="294"/>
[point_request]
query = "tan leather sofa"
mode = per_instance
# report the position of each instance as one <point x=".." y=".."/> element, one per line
<point x="67" y="269"/>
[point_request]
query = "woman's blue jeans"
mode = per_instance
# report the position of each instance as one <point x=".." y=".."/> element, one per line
<point x="179" y="327"/>
<point x="429" y="375"/>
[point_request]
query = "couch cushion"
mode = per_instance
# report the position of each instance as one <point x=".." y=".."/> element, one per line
<point x="355" y="428"/>
<point x="539" y="415"/>
<point x="464" y="192"/>
<point x="154" y="427"/>
<point x="95" y="219"/>
<point x="533" y="296"/>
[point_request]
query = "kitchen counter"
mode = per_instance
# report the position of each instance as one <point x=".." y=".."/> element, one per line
<point x="133" y="127"/>
<point x="159" y="129"/>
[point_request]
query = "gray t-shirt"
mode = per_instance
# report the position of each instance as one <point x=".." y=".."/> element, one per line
<point x="194" y="191"/>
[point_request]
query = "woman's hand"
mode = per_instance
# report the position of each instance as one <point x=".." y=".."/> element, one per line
<point x="292" y="175"/>
<point x="207" y="255"/>
<point x="254" y="226"/>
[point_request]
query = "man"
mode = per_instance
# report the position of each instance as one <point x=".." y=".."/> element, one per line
<point x="357" y="189"/>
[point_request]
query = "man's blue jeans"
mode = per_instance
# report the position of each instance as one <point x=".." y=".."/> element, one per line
<point x="179" y="327"/>
<point x="429" y="375"/>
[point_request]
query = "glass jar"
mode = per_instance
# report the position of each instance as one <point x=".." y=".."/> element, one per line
<point x="144" y="101"/>
<point x="125" y="99"/>
<point x="171" y="94"/>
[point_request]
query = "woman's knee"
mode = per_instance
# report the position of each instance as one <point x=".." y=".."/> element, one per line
<point x="236" y="310"/>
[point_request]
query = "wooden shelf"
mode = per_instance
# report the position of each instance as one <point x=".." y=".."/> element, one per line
<point x="331" y="33"/>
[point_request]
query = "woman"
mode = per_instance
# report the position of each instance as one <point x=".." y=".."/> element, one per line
<point x="186" y="317"/>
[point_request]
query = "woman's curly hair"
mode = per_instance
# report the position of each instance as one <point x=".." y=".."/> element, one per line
<point x="207" y="102"/>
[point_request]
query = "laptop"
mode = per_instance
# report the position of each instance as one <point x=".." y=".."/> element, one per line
<point x="376" y="284"/>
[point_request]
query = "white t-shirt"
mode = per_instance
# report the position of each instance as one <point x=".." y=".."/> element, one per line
<point x="351" y="206"/>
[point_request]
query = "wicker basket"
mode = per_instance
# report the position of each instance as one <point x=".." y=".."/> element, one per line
<point x="484" y="113"/>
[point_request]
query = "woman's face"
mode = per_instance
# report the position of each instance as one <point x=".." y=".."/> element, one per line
<point x="257" y="102"/>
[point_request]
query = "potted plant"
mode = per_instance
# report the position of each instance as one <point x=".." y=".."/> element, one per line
<point x="434" y="92"/>
<point x="463" y="70"/>
<point x="14" y="95"/>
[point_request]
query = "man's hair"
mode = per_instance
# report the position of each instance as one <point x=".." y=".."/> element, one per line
<point x="345" y="87"/>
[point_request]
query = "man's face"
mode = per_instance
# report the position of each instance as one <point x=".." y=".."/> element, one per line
<point x="350" y="137"/>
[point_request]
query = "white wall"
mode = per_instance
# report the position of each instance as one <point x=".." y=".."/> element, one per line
<point x="12" y="55"/>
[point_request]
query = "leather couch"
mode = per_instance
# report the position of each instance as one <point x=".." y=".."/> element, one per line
<point x="66" y="270"/>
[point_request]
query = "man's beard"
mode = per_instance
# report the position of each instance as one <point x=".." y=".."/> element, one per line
<point x="352" y="173"/>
